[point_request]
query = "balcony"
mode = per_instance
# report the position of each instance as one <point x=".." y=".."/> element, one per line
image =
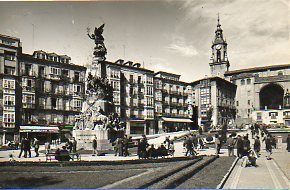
<point x="65" y="78"/>
<point x="54" y="77"/>
<point x="28" y="88"/>
<point x="29" y="105"/>
<point x="78" y="109"/>
<point x="140" y="105"/>
<point x="28" y="73"/>
<point x="44" y="107"/>
<point x="59" y="92"/>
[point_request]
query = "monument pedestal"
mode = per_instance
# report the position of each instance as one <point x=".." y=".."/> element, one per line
<point x="85" y="139"/>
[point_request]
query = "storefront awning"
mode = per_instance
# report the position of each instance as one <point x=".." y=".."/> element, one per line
<point x="179" y="120"/>
<point x="38" y="129"/>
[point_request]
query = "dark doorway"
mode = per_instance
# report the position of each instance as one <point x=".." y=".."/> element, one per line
<point x="271" y="96"/>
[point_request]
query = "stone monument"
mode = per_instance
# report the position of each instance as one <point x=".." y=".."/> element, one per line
<point x="95" y="119"/>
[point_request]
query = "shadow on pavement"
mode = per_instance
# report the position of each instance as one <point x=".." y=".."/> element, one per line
<point x="29" y="182"/>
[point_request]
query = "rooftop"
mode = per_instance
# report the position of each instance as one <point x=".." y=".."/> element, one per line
<point x="256" y="69"/>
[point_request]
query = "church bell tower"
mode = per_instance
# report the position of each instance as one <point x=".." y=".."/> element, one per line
<point x="219" y="60"/>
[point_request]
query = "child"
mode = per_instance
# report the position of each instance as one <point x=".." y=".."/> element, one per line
<point x="11" y="157"/>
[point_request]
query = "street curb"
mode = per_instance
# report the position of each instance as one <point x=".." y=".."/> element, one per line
<point x="225" y="178"/>
<point x="92" y="163"/>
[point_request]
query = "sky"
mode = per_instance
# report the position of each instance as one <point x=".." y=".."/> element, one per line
<point x="171" y="36"/>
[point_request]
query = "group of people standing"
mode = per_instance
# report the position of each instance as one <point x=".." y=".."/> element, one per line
<point x="243" y="144"/>
<point x="122" y="145"/>
<point x="191" y="143"/>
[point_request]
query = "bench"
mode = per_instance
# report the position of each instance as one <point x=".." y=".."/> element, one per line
<point x="74" y="156"/>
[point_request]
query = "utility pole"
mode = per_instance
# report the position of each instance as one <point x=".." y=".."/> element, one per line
<point x="32" y="37"/>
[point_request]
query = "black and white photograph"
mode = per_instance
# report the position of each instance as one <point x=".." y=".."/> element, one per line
<point x="149" y="94"/>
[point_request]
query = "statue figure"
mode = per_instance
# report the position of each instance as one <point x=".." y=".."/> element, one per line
<point x="100" y="50"/>
<point x="99" y="87"/>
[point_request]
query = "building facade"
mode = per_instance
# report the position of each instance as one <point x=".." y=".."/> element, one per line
<point x="52" y="90"/>
<point x="38" y="90"/>
<point x="173" y="103"/>
<point x="215" y="99"/>
<point x="262" y="93"/>
<point x="133" y="95"/>
<point x="10" y="103"/>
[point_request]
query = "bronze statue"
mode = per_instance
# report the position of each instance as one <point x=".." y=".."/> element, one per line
<point x="100" y="50"/>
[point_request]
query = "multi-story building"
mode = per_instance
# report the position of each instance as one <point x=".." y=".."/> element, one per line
<point x="262" y="94"/>
<point x="133" y="95"/>
<point x="10" y="48"/>
<point x="37" y="91"/>
<point x="52" y="89"/>
<point x="173" y="101"/>
<point x="261" y="91"/>
<point x="215" y="99"/>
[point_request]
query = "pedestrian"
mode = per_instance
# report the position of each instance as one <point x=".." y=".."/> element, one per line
<point x="288" y="143"/>
<point x="21" y="147"/>
<point x="195" y="141"/>
<point x="152" y="152"/>
<point x="200" y="130"/>
<point x="246" y="145"/>
<point x="95" y="145"/>
<point x="257" y="146"/>
<point x="274" y="142"/>
<point x="27" y="147"/>
<point x="201" y="144"/>
<point x="74" y="145"/>
<point x="36" y="146"/>
<point x="217" y="143"/>
<point x="231" y="145"/>
<point x="167" y="142"/>
<point x="240" y="146"/>
<point x="188" y="144"/>
<point x="143" y="146"/>
<point x="268" y="147"/>
<point x="47" y="147"/>
<point x="126" y="145"/>
<point x="262" y="133"/>
<point x="171" y="149"/>
<point x="69" y="145"/>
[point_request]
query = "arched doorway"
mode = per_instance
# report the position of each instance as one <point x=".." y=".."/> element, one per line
<point x="271" y="96"/>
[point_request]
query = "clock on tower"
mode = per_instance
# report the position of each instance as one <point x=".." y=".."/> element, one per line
<point x="219" y="61"/>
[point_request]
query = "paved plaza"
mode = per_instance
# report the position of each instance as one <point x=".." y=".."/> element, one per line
<point x="269" y="174"/>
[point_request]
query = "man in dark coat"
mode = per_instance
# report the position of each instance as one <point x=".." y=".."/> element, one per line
<point x="188" y="144"/>
<point x="26" y="147"/>
<point x="74" y="145"/>
<point x="247" y="145"/>
<point x="21" y="147"/>
<point x="240" y="146"/>
<point x="95" y="145"/>
<point x="268" y="147"/>
<point x="257" y="146"/>
<point x="288" y="143"/>
<point x="126" y="145"/>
